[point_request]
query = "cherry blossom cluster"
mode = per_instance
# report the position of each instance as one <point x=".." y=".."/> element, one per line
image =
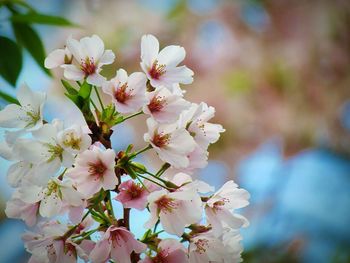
<point x="68" y="180"/>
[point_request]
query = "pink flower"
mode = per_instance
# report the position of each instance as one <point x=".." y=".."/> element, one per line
<point x="133" y="195"/>
<point x="169" y="251"/>
<point x="16" y="208"/>
<point x="93" y="170"/>
<point x="117" y="243"/>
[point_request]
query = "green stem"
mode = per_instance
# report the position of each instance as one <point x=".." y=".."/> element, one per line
<point x="99" y="98"/>
<point x="165" y="182"/>
<point x="132" y="115"/>
<point x="164" y="167"/>
<point x="140" y="151"/>
<point x="93" y="104"/>
<point x="149" y="179"/>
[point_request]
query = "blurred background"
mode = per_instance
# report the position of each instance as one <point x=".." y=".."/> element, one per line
<point x="276" y="71"/>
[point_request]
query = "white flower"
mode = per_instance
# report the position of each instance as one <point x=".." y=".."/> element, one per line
<point x="89" y="56"/>
<point x="93" y="170"/>
<point x="128" y="93"/>
<point x="206" y="248"/>
<point x="231" y="239"/>
<point x="28" y="115"/>
<point x="44" y="150"/>
<point x="53" y="197"/>
<point x="161" y="67"/>
<point x="172" y="144"/>
<point x="176" y="210"/>
<point x="73" y="139"/>
<point x="218" y="207"/>
<point x="196" y="121"/>
<point x="58" y="58"/>
<point x="164" y="106"/>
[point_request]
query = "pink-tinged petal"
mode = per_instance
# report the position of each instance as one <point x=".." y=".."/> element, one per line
<point x="107" y="58"/>
<point x="76" y="213"/>
<point x="50" y="205"/>
<point x="171" y="56"/>
<point x="149" y="49"/>
<point x="55" y="59"/>
<point x="122" y="76"/>
<point x="109" y="181"/>
<point x="89" y="188"/>
<point x="101" y="251"/>
<point x="72" y="72"/>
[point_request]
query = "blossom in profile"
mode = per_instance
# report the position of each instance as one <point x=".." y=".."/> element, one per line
<point x="117" y="243"/>
<point x="94" y="169"/>
<point x="128" y="92"/>
<point x="89" y="55"/>
<point x="196" y="121"/>
<point x="218" y="207"/>
<point x="58" y="58"/>
<point x="171" y="143"/>
<point x="161" y="67"/>
<point x="28" y="115"/>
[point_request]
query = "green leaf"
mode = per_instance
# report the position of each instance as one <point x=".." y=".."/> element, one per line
<point x="85" y="90"/>
<point x="31" y="41"/>
<point x="10" y="60"/>
<point x="70" y="89"/>
<point x="37" y="18"/>
<point x="8" y="98"/>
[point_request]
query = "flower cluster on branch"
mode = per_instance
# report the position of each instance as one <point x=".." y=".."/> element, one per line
<point x="74" y="171"/>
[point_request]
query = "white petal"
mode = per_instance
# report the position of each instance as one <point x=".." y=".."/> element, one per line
<point x="171" y="56"/>
<point x="149" y="49"/>
<point x="13" y="116"/>
<point x="181" y="75"/>
<point x="55" y="59"/>
<point x="92" y="47"/>
<point x="72" y="72"/>
<point x="107" y="58"/>
<point x="50" y="205"/>
<point x="96" y="79"/>
<point x="75" y="48"/>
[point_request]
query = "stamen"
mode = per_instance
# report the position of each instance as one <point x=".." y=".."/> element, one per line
<point x="121" y="95"/>
<point x="88" y="66"/>
<point x="156" y="104"/>
<point x="156" y="71"/>
<point x="166" y="204"/>
<point x="160" y="140"/>
<point x="97" y="169"/>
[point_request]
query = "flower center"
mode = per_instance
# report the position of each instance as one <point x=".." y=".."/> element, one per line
<point x="160" y="140"/>
<point x="202" y="245"/>
<point x="156" y="104"/>
<point x="156" y="70"/>
<point x="161" y="257"/>
<point x="88" y="66"/>
<point x="72" y="141"/>
<point x="121" y="95"/>
<point x="135" y="190"/>
<point x="55" y="151"/>
<point x="166" y="204"/>
<point x="97" y="169"/>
